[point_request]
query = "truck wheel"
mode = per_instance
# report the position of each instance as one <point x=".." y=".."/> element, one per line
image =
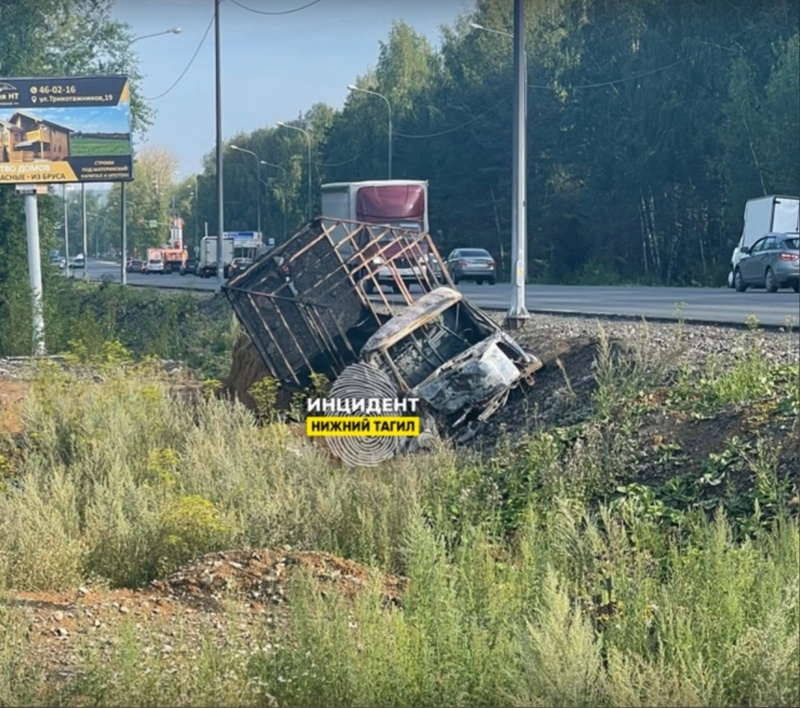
<point x="738" y="281"/>
<point x="796" y="286"/>
<point x="769" y="281"/>
<point x="492" y="281"/>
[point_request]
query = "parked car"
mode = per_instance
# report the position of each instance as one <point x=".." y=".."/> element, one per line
<point x="772" y="262"/>
<point x="239" y="265"/>
<point x="471" y="264"/>
<point x="135" y="265"/>
<point x="154" y="265"/>
<point x="189" y="267"/>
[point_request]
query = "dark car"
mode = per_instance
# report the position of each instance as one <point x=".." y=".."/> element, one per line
<point x="238" y="265"/>
<point x="471" y="264"/>
<point x="209" y="270"/>
<point x="189" y="267"/>
<point x="772" y="262"/>
<point x="135" y="265"/>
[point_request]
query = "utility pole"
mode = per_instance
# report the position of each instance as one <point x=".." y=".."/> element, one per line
<point x="220" y="190"/>
<point x="518" y="313"/>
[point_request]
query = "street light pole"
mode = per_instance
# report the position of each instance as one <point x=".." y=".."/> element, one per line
<point x="196" y="220"/>
<point x="308" y="138"/>
<point x="518" y="313"/>
<point x="123" y="209"/>
<point x="283" y="194"/>
<point x="258" y="180"/>
<point x="351" y="87"/>
<point x="220" y="190"/>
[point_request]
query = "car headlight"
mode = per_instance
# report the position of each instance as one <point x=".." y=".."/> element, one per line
<point x="378" y="261"/>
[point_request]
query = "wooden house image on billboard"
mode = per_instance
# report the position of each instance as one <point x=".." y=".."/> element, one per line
<point x="24" y="138"/>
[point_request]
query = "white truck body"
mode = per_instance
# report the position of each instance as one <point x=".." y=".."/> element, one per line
<point x="208" y="251"/>
<point x="763" y="215"/>
<point x="400" y="203"/>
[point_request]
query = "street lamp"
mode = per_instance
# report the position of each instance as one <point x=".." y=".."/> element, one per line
<point x="283" y="193"/>
<point x="351" y="87"/>
<point x="518" y="313"/>
<point x="308" y="138"/>
<point x="173" y="30"/>
<point x="123" y="201"/>
<point x="258" y="179"/>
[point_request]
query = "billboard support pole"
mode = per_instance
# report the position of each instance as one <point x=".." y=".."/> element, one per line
<point x="35" y="271"/>
<point x="124" y="229"/>
<point x="66" y="232"/>
<point x="85" y="234"/>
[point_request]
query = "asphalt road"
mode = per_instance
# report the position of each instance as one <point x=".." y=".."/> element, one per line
<point x="721" y="305"/>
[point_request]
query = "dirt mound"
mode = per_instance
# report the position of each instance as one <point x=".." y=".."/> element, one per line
<point x="247" y="367"/>
<point x="262" y="576"/>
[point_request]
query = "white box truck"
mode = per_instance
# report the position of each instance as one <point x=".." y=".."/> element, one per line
<point x="764" y="215"/>
<point x="398" y="203"/>
<point x="207" y="263"/>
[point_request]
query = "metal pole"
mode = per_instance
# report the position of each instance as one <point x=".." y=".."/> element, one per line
<point x="518" y="313"/>
<point x="390" y="138"/>
<point x="352" y="87"/>
<point x="258" y="193"/>
<point x="308" y="137"/>
<point x="85" y="233"/>
<point x="35" y="272"/>
<point x="123" y="212"/>
<point x="66" y="232"/>
<point x="220" y="191"/>
<point x="196" y="219"/>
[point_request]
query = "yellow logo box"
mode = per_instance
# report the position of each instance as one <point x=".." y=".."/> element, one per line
<point x="367" y="427"/>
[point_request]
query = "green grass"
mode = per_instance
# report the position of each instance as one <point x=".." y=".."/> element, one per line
<point x="99" y="147"/>
<point x="529" y="585"/>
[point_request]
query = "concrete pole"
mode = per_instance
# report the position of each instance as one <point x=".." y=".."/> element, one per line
<point x="66" y="231"/>
<point x="85" y="232"/>
<point x="518" y="313"/>
<point x="123" y="211"/>
<point x="35" y="272"/>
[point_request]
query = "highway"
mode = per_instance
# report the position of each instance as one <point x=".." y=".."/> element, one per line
<point x="718" y="305"/>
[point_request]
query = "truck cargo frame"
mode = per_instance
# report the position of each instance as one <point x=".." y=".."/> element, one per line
<point x="306" y="304"/>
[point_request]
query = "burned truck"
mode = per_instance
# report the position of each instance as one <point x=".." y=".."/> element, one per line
<point x="315" y="305"/>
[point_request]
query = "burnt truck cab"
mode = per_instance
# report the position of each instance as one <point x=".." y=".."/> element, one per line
<point x="446" y="352"/>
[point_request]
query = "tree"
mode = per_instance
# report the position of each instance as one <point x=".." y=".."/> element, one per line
<point x="149" y="199"/>
<point x="51" y="38"/>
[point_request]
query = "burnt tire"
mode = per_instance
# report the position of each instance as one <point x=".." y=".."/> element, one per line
<point x="738" y="281"/>
<point x="770" y="283"/>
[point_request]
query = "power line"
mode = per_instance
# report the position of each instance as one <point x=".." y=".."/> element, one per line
<point x="453" y="130"/>
<point x="191" y="61"/>
<point x="281" y="12"/>
<point x="345" y="162"/>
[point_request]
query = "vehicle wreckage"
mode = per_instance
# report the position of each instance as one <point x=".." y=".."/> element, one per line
<point x="315" y="305"/>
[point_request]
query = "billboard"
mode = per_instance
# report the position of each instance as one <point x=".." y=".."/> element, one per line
<point x="59" y="130"/>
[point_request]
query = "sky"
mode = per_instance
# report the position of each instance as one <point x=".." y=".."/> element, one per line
<point x="273" y="67"/>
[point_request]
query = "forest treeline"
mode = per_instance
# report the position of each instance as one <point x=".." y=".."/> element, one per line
<point x="649" y="125"/>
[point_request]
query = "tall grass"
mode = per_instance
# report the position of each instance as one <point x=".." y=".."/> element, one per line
<point x="575" y="604"/>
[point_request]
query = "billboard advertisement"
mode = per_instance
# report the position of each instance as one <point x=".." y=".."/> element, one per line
<point x="60" y="130"/>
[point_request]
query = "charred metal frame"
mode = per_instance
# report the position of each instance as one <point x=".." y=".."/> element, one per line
<point x="305" y="305"/>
